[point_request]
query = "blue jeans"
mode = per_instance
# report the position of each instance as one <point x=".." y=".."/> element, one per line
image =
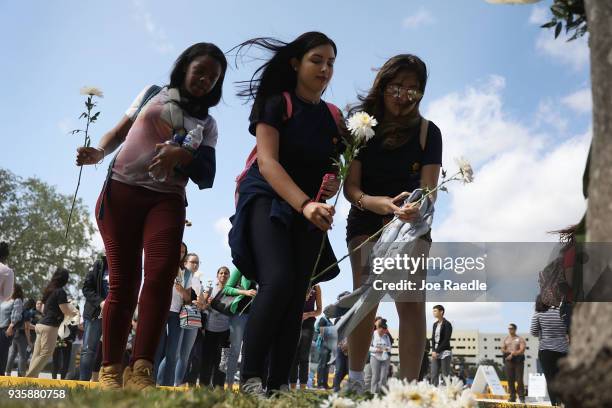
<point x="237" y="326"/>
<point x="341" y="369"/>
<point x="188" y="338"/>
<point x="91" y="339"/>
<point x="18" y="347"/>
<point x="167" y="353"/>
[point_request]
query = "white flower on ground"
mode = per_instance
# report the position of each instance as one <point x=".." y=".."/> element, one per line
<point x="409" y="394"/>
<point x="467" y="173"/>
<point x="467" y="399"/>
<point x="334" y="401"/>
<point x="92" y="91"/>
<point x="360" y="125"/>
<point x="453" y="387"/>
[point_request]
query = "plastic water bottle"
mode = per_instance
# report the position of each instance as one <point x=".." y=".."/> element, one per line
<point x="193" y="139"/>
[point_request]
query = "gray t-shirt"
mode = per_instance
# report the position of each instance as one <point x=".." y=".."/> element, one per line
<point x="216" y="322"/>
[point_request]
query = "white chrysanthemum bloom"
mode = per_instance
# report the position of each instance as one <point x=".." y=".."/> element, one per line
<point x="92" y="91"/>
<point x="453" y="387"/>
<point x="334" y="401"/>
<point x="409" y="394"/>
<point x="360" y="125"/>
<point x="467" y="399"/>
<point x="467" y="173"/>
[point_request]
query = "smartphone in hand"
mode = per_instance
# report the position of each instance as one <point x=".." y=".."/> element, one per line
<point x="327" y="177"/>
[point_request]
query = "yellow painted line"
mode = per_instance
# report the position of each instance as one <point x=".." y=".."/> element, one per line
<point x="44" y="382"/>
<point x="8" y="382"/>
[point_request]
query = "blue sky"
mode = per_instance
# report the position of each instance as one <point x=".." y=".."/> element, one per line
<point x="504" y="93"/>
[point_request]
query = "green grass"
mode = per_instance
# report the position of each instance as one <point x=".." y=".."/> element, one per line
<point x="94" y="398"/>
<point x="160" y="398"/>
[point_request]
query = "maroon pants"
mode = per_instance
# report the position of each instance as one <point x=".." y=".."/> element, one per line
<point x="134" y="219"/>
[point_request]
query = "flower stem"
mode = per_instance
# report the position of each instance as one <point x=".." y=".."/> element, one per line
<point x="314" y="269"/>
<point x="371" y="237"/>
<point x="76" y="191"/>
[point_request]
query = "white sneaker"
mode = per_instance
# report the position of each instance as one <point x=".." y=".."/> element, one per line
<point x="253" y="386"/>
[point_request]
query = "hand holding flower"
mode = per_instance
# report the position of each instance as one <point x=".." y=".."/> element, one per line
<point x="408" y="213"/>
<point x="89" y="155"/>
<point x="320" y="214"/>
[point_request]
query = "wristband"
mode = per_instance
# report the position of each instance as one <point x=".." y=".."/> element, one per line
<point x="304" y="204"/>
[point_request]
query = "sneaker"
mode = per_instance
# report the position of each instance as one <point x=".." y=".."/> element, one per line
<point x="139" y="377"/>
<point x="354" y="387"/>
<point x="110" y="377"/>
<point x="253" y="386"/>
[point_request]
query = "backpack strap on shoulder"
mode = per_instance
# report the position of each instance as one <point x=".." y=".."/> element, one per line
<point x="335" y="111"/>
<point x="176" y="112"/>
<point x="288" y="105"/>
<point x="423" y="133"/>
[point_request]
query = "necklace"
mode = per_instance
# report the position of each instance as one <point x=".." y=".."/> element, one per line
<point x="301" y="98"/>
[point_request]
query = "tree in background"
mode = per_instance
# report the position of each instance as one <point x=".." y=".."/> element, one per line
<point x="33" y="221"/>
<point x="587" y="371"/>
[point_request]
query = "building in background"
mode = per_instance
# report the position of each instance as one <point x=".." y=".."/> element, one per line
<point x="473" y="347"/>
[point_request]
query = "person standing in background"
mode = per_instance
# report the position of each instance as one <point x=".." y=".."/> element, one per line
<point x="549" y="328"/>
<point x="95" y="290"/>
<point x="380" y="357"/>
<point x="441" y="355"/>
<point x="7" y="276"/>
<point x="301" y="363"/>
<point x="513" y="351"/>
<point x="56" y="308"/>
<point x="11" y="316"/>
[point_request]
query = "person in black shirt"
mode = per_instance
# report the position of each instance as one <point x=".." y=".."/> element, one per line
<point x="95" y="289"/>
<point x="404" y="154"/>
<point x="56" y="307"/>
<point x="278" y="227"/>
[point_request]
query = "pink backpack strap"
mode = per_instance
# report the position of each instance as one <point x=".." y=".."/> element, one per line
<point x="335" y="111"/>
<point x="288" y="105"/>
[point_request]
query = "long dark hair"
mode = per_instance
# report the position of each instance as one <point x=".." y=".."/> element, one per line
<point x="183" y="259"/>
<point x="198" y="107"/>
<point x="374" y="101"/>
<point x="58" y="280"/>
<point x="539" y="305"/>
<point x="17" y="292"/>
<point x="276" y="75"/>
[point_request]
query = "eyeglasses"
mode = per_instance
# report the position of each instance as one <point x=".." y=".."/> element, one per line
<point x="194" y="262"/>
<point x="398" y="91"/>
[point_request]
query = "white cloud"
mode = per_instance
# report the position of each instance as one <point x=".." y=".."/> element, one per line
<point x="528" y="181"/>
<point x="539" y="15"/>
<point x="574" y="53"/>
<point x="159" y="39"/>
<point x="421" y="18"/>
<point x="469" y="315"/>
<point x="580" y="101"/>
<point x="549" y="114"/>
<point x="222" y="227"/>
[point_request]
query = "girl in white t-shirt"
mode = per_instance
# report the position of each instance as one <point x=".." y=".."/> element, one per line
<point x="380" y="357"/>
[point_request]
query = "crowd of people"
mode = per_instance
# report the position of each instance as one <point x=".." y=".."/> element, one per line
<point x="259" y="317"/>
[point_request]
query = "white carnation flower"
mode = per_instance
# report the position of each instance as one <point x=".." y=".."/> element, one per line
<point x="360" y="125"/>
<point x="92" y="91"/>
<point x="467" y="173"/>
